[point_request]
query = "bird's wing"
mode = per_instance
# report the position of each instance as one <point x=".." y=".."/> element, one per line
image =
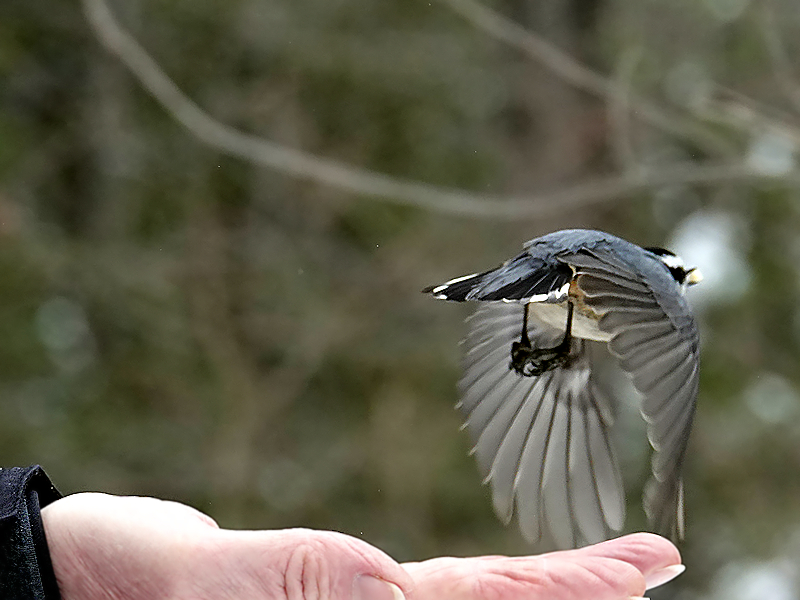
<point x="659" y="349"/>
<point x="543" y="442"/>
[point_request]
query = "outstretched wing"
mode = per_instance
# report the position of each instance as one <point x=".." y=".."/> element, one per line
<point x="542" y="443"/>
<point x="656" y="342"/>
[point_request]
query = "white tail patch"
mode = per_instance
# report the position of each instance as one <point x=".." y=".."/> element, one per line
<point x="456" y="280"/>
<point x="440" y="288"/>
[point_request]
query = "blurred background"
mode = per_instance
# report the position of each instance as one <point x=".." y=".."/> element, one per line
<point x="190" y="309"/>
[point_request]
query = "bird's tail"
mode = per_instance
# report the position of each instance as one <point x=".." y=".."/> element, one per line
<point x="524" y="278"/>
<point x="458" y="289"/>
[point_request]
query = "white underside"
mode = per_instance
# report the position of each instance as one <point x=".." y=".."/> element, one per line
<point x="555" y="315"/>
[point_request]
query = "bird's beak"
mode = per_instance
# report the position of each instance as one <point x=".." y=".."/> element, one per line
<point x="694" y="276"/>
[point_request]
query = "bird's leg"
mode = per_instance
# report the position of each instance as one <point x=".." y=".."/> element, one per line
<point x="521" y="350"/>
<point x="529" y="361"/>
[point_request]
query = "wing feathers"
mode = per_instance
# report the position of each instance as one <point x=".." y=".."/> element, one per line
<point x="607" y="478"/>
<point x="555" y="478"/>
<point x="530" y="474"/>
<point x="541" y="442"/>
<point x="586" y="505"/>
<point x="597" y="260"/>
<point x="657" y="344"/>
<point x="530" y="429"/>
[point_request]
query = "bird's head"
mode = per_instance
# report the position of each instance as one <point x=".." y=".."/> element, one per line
<point x="683" y="275"/>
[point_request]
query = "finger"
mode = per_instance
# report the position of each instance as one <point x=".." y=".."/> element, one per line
<point x="302" y="563"/>
<point x="567" y="576"/>
<point x="654" y="556"/>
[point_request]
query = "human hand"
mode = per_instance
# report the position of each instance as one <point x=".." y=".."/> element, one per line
<point x="619" y="569"/>
<point x="130" y="548"/>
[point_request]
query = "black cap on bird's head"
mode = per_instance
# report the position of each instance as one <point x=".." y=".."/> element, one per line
<point x="677" y="269"/>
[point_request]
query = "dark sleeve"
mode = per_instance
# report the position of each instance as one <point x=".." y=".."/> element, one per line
<point x="26" y="572"/>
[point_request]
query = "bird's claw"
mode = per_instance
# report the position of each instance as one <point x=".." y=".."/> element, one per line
<point x="531" y="362"/>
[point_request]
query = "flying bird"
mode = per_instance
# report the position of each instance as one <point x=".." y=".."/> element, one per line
<point x="538" y="420"/>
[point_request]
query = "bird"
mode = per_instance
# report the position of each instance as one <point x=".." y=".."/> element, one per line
<point x="539" y="422"/>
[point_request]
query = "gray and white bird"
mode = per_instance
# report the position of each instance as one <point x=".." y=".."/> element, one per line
<point x="538" y="420"/>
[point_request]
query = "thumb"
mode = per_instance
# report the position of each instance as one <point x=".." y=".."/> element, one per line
<point x="325" y="564"/>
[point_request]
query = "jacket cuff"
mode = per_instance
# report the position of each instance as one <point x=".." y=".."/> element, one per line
<point x="26" y="571"/>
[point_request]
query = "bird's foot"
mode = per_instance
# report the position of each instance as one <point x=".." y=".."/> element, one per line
<point x="530" y="362"/>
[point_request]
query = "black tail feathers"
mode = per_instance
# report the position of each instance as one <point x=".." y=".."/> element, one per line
<point x="457" y="289"/>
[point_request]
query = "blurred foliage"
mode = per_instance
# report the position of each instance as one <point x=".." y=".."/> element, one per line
<point x="184" y="324"/>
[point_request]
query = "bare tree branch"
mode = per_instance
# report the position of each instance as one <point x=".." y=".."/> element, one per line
<point x="584" y="78"/>
<point x="734" y="109"/>
<point x="382" y="187"/>
<point x="258" y="150"/>
<point x="781" y="65"/>
<point x="618" y="111"/>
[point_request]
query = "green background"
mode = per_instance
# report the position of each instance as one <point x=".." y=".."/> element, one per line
<point x="179" y="322"/>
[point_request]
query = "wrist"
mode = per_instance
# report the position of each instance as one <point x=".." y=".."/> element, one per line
<point x="26" y="570"/>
